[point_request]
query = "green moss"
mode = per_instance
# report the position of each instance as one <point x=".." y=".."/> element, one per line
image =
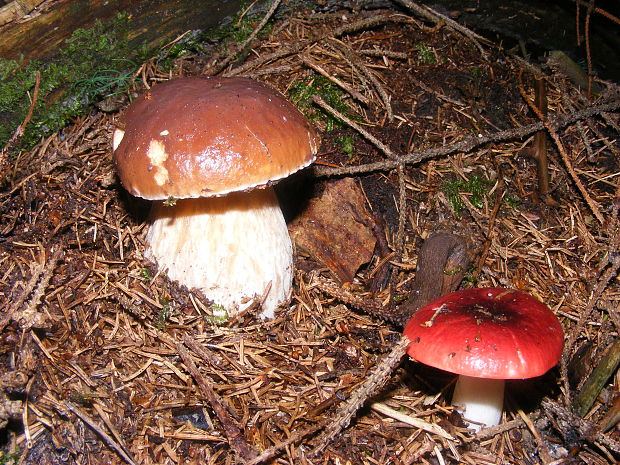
<point x="301" y="93"/>
<point x="146" y="274"/>
<point x="219" y="315"/>
<point x="87" y="68"/>
<point x="346" y="145"/>
<point x="10" y="458"/>
<point x="426" y="54"/>
<point x="164" y="312"/>
<point x="476" y="187"/>
<point x="512" y="201"/>
<point x="240" y="27"/>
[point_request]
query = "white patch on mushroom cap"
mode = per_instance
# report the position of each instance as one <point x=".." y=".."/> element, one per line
<point x="117" y="137"/>
<point x="157" y="155"/>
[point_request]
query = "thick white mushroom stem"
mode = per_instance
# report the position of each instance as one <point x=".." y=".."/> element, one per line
<point x="233" y="248"/>
<point x="479" y="400"/>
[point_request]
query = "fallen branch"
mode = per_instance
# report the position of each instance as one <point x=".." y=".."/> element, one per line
<point x="375" y="381"/>
<point x="432" y="281"/>
<point x="235" y="437"/>
<point x="298" y="46"/>
<point x="246" y="42"/>
<point x="29" y="317"/>
<point x="465" y="145"/>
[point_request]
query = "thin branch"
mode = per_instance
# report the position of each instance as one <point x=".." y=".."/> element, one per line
<point x="600" y="11"/>
<point x="235" y="437"/>
<point x="274" y="450"/>
<point x="377" y="378"/>
<point x="251" y="37"/>
<point x="411" y="421"/>
<point x="298" y="46"/>
<point x="25" y="316"/>
<point x="343" y="85"/>
<point x="463" y="146"/>
<point x="105" y="436"/>
<point x="380" y="145"/>
<point x="436" y="17"/>
<point x="358" y="64"/>
<point x="567" y="163"/>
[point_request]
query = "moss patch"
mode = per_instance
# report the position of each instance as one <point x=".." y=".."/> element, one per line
<point x="91" y="65"/>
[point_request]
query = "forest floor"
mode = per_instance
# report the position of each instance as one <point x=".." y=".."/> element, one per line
<point x="105" y="360"/>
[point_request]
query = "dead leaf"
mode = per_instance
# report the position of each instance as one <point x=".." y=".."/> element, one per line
<point x="335" y="229"/>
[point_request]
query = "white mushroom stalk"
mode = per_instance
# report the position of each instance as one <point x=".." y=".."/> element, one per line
<point x="480" y="401"/>
<point x="235" y="248"/>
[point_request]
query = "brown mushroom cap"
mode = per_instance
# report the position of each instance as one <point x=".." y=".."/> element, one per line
<point x="208" y="136"/>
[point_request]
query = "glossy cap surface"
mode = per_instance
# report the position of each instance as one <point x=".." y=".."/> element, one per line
<point x="208" y="136"/>
<point x="486" y="333"/>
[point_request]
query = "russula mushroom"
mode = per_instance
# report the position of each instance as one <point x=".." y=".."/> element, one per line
<point x="485" y="336"/>
<point x="207" y="150"/>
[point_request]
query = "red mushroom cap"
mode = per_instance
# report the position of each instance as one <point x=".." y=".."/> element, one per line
<point x="486" y="333"/>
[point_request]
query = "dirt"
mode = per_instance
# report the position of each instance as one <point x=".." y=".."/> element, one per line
<point x="94" y="331"/>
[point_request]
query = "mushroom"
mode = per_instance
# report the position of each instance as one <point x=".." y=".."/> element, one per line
<point x="207" y="151"/>
<point x="485" y="336"/>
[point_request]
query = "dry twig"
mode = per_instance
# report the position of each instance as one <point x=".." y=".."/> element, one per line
<point x="118" y="448"/>
<point x="235" y="437"/>
<point x="218" y="68"/>
<point x="465" y="145"/>
<point x="436" y="17"/>
<point x="567" y="163"/>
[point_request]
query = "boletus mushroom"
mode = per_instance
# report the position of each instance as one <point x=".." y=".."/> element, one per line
<point x="207" y="150"/>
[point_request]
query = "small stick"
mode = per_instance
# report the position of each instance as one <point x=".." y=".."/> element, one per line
<point x="437" y="17"/>
<point x="249" y="40"/>
<point x="567" y="164"/>
<point x="433" y="284"/>
<point x="540" y="142"/>
<point x="377" y="378"/>
<point x="354" y="93"/>
<point x="366" y="305"/>
<point x="110" y="426"/>
<point x="383" y="53"/>
<point x="47" y="270"/>
<point x="298" y="46"/>
<point x="591" y="389"/>
<point x="275" y="449"/>
<point x="235" y="437"/>
<point x="464" y="146"/>
<point x="411" y="421"/>
<point x="105" y="436"/>
<point x="356" y="62"/>
<point x="402" y="212"/>
<point x="380" y="145"/>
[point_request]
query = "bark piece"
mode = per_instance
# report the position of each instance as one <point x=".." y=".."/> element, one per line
<point x="335" y="229"/>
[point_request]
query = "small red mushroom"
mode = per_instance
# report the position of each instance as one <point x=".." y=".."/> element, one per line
<point x="486" y="336"/>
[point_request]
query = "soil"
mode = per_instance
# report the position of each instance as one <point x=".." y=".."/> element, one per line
<point x="105" y="360"/>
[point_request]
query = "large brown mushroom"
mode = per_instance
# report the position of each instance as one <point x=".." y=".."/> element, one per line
<point x="207" y="151"/>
